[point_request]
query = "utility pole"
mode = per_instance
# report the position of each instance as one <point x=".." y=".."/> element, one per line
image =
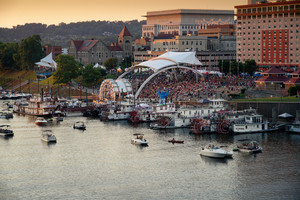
<point x="29" y="85"/>
<point x="229" y="67"/>
<point x="38" y="86"/>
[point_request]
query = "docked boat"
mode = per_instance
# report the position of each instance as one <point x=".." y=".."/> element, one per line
<point x="79" y="125"/>
<point x="176" y="141"/>
<point x="6" y="131"/>
<point x="117" y="110"/>
<point x="48" y="136"/>
<point x="294" y="127"/>
<point x="42" y="106"/>
<point x="210" y="150"/>
<point x="139" y="140"/>
<point x="40" y="121"/>
<point x="252" y="124"/>
<point x="249" y="146"/>
<point x="150" y="113"/>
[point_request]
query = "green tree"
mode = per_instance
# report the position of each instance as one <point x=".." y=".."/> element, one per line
<point x="30" y="51"/>
<point x="224" y="67"/>
<point x="250" y="67"/>
<point x="111" y="63"/>
<point x="90" y="75"/>
<point x="7" y="52"/>
<point x="67" y="69"/>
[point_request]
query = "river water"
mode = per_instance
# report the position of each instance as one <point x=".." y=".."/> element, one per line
<point x="101" y="163"/>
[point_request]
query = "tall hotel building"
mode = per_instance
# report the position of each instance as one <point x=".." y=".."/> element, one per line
<point x="269" y="33"/>
<point x="184" y="21"/>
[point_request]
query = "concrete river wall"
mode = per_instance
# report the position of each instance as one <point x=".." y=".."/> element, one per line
<point x="268" y="109"/>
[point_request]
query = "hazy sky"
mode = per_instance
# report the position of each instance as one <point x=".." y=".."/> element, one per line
<point x="19" y="12"/>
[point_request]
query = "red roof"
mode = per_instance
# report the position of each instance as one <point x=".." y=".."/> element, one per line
<point x="115" y="48"/>
<point x="295" y="81"/>
<point x="296" y="72"/>
<point x="84" y="45"/>
<point x="273" y="70"/>
<point x="125" y="32"/>
<point x="272" y="79"/>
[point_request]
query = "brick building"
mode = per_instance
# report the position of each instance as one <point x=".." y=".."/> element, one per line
<point x="269" y="33"/>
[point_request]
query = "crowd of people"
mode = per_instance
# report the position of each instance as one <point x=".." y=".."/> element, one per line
<point x="186" y="85"/>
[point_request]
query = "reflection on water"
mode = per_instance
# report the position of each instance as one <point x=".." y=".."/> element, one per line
<point x="215" y="161"/>
<point x="101" y="163"/>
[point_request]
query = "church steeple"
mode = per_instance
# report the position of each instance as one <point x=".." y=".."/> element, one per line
<point x="125" y="42"/>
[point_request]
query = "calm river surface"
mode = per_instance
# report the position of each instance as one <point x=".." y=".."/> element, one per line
<point x="101" y="163"/>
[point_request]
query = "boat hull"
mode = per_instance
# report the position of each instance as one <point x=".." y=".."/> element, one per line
<point x="139" y="142"/>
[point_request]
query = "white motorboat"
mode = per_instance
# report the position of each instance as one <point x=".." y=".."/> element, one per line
<point x="210" y="150"/>
<point x="6" y="131"/>
<point x="40" y="121"/>
<point x="139" y="140"/>
<point x="294" y="127"/>
<point x="79" y="125"/>
<point x="47" y="136"/>
<point x="249" y="146"/>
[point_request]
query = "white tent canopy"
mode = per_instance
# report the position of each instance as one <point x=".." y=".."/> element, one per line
<point x="285" y="115"/>
<point x="47" y="62"/>
<point x="169" y="59"/>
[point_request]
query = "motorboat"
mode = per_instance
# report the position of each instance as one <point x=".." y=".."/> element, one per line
<point x="57" y="116"/>
<point x="6" y="131"/>
<point x="249" y="146"/>
<point x="210" y="150"/>
<point x="40" y="121"/>
<point x="47" y="136"/>
<point x="176" y="141"/>
<point x="79" y="125"/>
<point x="6" y="115"/>
<point x="294" y="127"/>
<point x="139" y="140"/>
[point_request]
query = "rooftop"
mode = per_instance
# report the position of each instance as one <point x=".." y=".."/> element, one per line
<point x="189" y="11"/>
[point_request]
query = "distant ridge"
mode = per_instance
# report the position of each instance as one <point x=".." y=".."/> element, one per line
<point x="62" y="34"/>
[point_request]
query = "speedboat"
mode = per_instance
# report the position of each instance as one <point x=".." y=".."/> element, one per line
<point x="79" y="125"/>
<point x="139" y="140"/>
<point x="5" y="131"/>
<point x="40" y="121"/>
<point x="47" y="136"/>
<point x="249" y="146"/>
<point x="210" y="150"/>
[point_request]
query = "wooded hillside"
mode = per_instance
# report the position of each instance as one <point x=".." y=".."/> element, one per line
<point x="62" y="34"/>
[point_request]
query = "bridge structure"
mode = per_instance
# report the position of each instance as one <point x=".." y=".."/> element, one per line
<point x="112" y="89"/>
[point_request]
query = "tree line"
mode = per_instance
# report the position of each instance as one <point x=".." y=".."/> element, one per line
<point x="234" y="67"/>
<point x="61" y="34"/>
